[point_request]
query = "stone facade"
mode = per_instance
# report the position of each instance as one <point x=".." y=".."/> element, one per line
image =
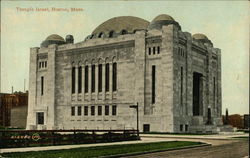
<point x="175" y="78"/>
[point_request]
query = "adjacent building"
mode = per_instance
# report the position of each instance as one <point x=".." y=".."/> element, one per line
<point x="10" y="101"/>
<point x="174" y="76"/>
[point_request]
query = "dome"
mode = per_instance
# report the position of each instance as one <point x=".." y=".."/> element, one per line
<point x="200" y="36"/>
<point x="120" y="25"/>
<point x="162" y="20"/>
<point x="163" y="17"/>
<point x="52" y="39"/>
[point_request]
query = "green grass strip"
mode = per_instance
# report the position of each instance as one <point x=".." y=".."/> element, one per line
<point x="86" y="152"/>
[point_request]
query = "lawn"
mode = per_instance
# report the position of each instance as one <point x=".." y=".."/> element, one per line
<point x="86" y="152"/>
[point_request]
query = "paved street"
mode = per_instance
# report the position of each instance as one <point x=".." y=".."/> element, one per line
<point x="219" y="149"/>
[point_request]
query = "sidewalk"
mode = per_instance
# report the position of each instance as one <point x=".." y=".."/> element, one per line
<point x="221" y="136"/>
<point x="59" y="147"/>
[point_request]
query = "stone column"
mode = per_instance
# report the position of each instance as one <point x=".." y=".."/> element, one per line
<point x="167" y="66"/>
<point x="139" y="59"/>
<point x="83" y="82"/>
<point x="50" y="84"/>
<point x="31" y="118"/>
<point x="209" y="81"/>
<point x="219" y="102"/>
<point x="111" y="80"/>
<point x="189" y="77"/>
<point x="103" y="81"/>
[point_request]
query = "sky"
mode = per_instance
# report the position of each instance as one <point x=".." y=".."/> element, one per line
<point x="225" y="23"/>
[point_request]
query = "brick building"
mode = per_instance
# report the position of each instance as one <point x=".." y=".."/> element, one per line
<point x="9" y="101"/>
<point x="173" y="75"/>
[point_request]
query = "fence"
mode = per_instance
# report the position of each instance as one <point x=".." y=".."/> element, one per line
<point x="26" y="138"/>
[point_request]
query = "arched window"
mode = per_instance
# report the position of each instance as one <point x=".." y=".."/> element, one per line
<point x="123" y="32"/>
<point x="79" y="79"/>
<point x="91" y="36"/>
<point x="111" y="33"/>
<point x="73" y="80"/>
<point x="100" y="35"/>
<point x="114" y="77"/>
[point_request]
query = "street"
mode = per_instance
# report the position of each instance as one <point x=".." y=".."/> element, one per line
<point x="219" y="149"/>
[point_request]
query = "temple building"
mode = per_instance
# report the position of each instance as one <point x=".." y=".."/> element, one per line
<point x="174" y="76"/>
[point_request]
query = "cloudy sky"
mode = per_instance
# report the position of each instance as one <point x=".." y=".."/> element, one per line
<point x="226" y="23"/>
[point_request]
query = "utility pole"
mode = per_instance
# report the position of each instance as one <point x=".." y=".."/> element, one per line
<point x="24" y="86"/>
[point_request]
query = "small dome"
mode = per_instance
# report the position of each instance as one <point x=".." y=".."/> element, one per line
<point x="52" y="39"/>
<point x="163" y="17"/>
<point x="162" y="20"/>
<point x="200" y="36"/>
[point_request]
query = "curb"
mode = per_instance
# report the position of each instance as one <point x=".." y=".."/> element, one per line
<point x="155" y="151"/>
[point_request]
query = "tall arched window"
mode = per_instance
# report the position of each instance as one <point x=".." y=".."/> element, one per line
<point x="79" y="79"/>
<point x="107" y="77"/>
<point x="93" y="78"/>
<point x="86" y="81"/>
<point x="73" y="83"/>
<point x="114" y="77"/>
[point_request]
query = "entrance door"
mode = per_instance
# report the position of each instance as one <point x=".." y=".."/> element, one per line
<point x="146" y="127"/>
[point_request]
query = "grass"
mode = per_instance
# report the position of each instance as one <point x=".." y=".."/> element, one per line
<point x="87" y="152"/>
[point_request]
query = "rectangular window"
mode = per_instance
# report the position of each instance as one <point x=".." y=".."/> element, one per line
<point x="42" y="84"/>
<point x="181" y="86"/>
<point x="92" y="110"/>
<point x="214" y="91"/>
<point x="153" y="50"/>
<point x="86" y="110"/>
<point x="99" y="110"/>
<point x="106" y="110"/>
<point x="45" y="63"/>
<point x="158" y="50"/>
<point x="149" y="50"/>
<point x="107" y="77"/>
<point x="100" y="78"/>
<point x="86" y="81"/>
<point x="153" y="84"/>
<point x="186" y="127"/>
<point x="114" y="110"/>
<point x="79" y="79"/>
<point x="72" y="111"/>
<point x="79" y="110"/>
<point x="40" y="118"/>
<point x="181" y="127"/>
<point x="114" y="77"/>
<point x="73" y="79"/>
<point x="93" y="78"/>
<point x="40" y="64"/>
